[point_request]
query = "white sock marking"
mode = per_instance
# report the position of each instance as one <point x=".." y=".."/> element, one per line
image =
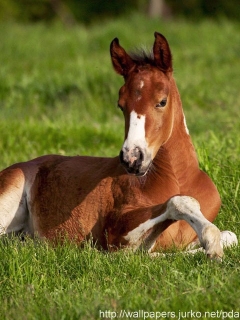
<point x="134" y="236"/>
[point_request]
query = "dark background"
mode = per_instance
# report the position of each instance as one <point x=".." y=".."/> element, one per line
<point x="88" y="11"/>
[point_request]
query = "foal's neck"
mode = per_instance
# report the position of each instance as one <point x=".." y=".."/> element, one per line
<point x="177" y="156"/>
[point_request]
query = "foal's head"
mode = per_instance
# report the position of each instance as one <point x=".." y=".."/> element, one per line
<point x="145" y="99"/>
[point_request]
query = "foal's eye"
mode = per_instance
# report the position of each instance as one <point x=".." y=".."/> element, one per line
<point x="162" y="103"/>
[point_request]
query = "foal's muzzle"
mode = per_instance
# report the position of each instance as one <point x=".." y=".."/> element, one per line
<point x="132" y="160"/>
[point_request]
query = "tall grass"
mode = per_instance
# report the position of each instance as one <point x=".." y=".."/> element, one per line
<point x="58" y="94"/>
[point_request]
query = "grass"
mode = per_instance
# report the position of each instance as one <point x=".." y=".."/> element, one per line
<point x="58" y="94"/>
<point x="68" y="283"/>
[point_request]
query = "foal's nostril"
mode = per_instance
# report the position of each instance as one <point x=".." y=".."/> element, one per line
<point x="123" y="159"/>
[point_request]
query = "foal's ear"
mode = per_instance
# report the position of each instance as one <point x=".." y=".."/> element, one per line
<point x="162" y="54"/>
<point x="121" y="61"/>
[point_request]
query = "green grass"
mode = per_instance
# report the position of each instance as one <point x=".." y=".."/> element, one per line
<point x="58" y="94"/>
<point x="68" y="283"/>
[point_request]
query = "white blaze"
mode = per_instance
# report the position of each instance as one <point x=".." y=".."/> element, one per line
<point x="136" y="133"/>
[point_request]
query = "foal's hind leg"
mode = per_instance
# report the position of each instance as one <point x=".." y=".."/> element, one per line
<point x="13" y="209"/>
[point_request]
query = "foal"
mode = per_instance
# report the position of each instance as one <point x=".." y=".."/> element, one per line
<point x="153" y="195"/>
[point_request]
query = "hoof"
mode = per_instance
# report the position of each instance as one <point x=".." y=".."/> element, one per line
<point x="211" y="237"/>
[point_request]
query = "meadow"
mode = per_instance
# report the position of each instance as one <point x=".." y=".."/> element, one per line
<point x="58" y="94"/>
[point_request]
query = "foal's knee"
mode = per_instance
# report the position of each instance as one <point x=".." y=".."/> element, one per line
<point x="179" y="206"/>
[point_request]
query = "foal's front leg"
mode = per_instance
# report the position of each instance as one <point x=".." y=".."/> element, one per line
<point x="188" y="209"/>
<point x="141" y="227"/>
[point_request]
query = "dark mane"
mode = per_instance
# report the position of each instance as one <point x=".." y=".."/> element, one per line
<point x="141" y="57"/>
